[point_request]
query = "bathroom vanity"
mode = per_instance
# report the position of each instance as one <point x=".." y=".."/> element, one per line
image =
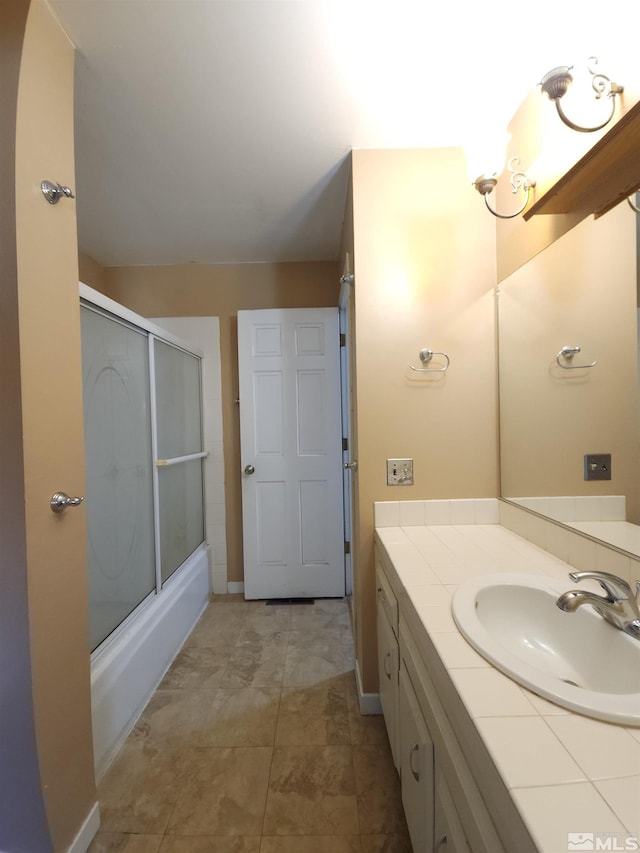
<point x="486" y="766"/>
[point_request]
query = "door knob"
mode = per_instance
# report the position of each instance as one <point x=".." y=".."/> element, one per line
<point x="60" y="501"/>
<point x="351" y="466"/>
<point x="249" y="469"/>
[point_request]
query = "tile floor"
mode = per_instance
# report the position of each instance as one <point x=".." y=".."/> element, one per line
<point x="253" y="743"/>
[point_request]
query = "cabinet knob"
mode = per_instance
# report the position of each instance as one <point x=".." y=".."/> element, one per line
<point x="387" y="658"/>
<point x="414" y="751"/>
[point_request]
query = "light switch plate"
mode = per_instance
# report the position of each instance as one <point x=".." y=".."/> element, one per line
<point x="597" y="466"/>
<point x="399" y="472"/>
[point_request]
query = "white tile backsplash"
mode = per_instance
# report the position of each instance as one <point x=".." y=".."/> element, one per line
<point x="386" y="514"/>
<point x="463" y="512"/>
<point x="411" y="513"/>
<point x="487" y="511"/>
<point x="437" y="512"/>
<point x="574" y="548"/>
<point x="582" y="554"/>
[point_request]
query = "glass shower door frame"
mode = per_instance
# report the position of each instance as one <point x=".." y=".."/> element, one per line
<point x="100" y="304"/>
<point x="172" y="460"/>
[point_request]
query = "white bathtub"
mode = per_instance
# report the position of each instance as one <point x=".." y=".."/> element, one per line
<point x="127" y="668"/>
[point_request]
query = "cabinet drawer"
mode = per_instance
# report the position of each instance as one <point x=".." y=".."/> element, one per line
<point x="449" y="835"/>
<point x="416" y="767"/>
<point x="471" y="810"/>
<point x="387" y="601"/>
<point x="388" y="662"/>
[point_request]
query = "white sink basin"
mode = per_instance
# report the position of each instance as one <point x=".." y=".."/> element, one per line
<point x="576" y="660"/>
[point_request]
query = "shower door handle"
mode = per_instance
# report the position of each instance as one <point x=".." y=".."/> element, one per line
<point x="60" y="501"/>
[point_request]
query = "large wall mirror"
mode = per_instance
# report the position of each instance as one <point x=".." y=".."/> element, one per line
<point x="581" y="291"/>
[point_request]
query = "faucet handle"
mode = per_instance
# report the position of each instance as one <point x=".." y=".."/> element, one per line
<point x="616" y="588"/>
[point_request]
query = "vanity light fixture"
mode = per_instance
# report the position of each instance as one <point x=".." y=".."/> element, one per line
<point x="486" y="183"/>
<point x="632" y="204"/>
<point x="556" y="82"/>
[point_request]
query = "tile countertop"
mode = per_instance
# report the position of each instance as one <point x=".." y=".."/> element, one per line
<point x="566" y="773"/>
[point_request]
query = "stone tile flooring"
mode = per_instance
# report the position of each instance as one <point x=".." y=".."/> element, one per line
<point x="253" y="743"/>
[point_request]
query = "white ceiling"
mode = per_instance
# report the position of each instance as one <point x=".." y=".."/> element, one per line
<point x="218" y="130"/>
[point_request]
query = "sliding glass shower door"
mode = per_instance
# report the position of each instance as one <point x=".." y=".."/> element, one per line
<point x="144" y="455"/>
<point x="177" y="384"/>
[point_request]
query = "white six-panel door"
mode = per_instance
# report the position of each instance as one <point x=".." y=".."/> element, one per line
<point x="290" y="434"/>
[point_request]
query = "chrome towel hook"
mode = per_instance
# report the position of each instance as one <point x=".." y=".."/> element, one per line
<point x="54" y="192"/>
<point x="425" y="357"/>
<point x="61" y="500"/>
<point x="567" y="353"/>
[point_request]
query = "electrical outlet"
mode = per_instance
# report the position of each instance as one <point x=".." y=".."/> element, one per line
<point x="399" y="472"/>
<point x="597" y="466"/>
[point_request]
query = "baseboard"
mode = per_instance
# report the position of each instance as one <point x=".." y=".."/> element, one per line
<point x="235" y="587"/>
<point x="369" y="703"/>
<point x="87" y="831"/>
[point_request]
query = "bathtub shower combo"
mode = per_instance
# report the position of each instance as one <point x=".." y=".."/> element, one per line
<point x="147" y="555"/>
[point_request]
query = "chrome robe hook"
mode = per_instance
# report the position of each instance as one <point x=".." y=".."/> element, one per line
<point x="54" y="192"/>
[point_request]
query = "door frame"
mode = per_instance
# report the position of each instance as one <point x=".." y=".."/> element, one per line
<point x="346" y="288"/>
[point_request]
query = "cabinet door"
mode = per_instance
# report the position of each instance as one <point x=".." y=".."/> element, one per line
<point x="448" y="832"/>
<point x="416" y="768"/>
<point x="388" y="657"/>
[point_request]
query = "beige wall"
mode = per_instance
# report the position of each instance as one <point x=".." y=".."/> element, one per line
<point x="51" y="393"/>
<point x="197" y="290"/>
<point x="579" y="291"/>
<point x="23" y="823"/>
<point x="91" y="272"/>
<point x="424" y="252"/>
<point x="547" y="148"/>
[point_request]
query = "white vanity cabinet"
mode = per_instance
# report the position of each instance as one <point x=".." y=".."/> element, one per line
<point x="388" y="658"/>
<point x="444" y="809"/>
<point x="416" y="767"/>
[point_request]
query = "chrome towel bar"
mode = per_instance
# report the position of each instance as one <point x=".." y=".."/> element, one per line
<point x="425" y="357"/>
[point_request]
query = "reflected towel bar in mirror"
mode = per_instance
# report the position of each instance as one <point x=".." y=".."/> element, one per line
<point x="567" y="353"/>
<point x="425" y="357"/>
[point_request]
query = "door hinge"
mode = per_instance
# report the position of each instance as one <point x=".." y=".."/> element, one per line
<point x="347" y="547"/>
<point x="345" y="444"/>
<point x="343" y="339"/>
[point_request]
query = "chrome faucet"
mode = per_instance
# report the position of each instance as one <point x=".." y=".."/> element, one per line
<point x="619" y="606"/>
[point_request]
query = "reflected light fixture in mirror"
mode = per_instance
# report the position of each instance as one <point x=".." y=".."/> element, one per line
<point x="556" y="82"/>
